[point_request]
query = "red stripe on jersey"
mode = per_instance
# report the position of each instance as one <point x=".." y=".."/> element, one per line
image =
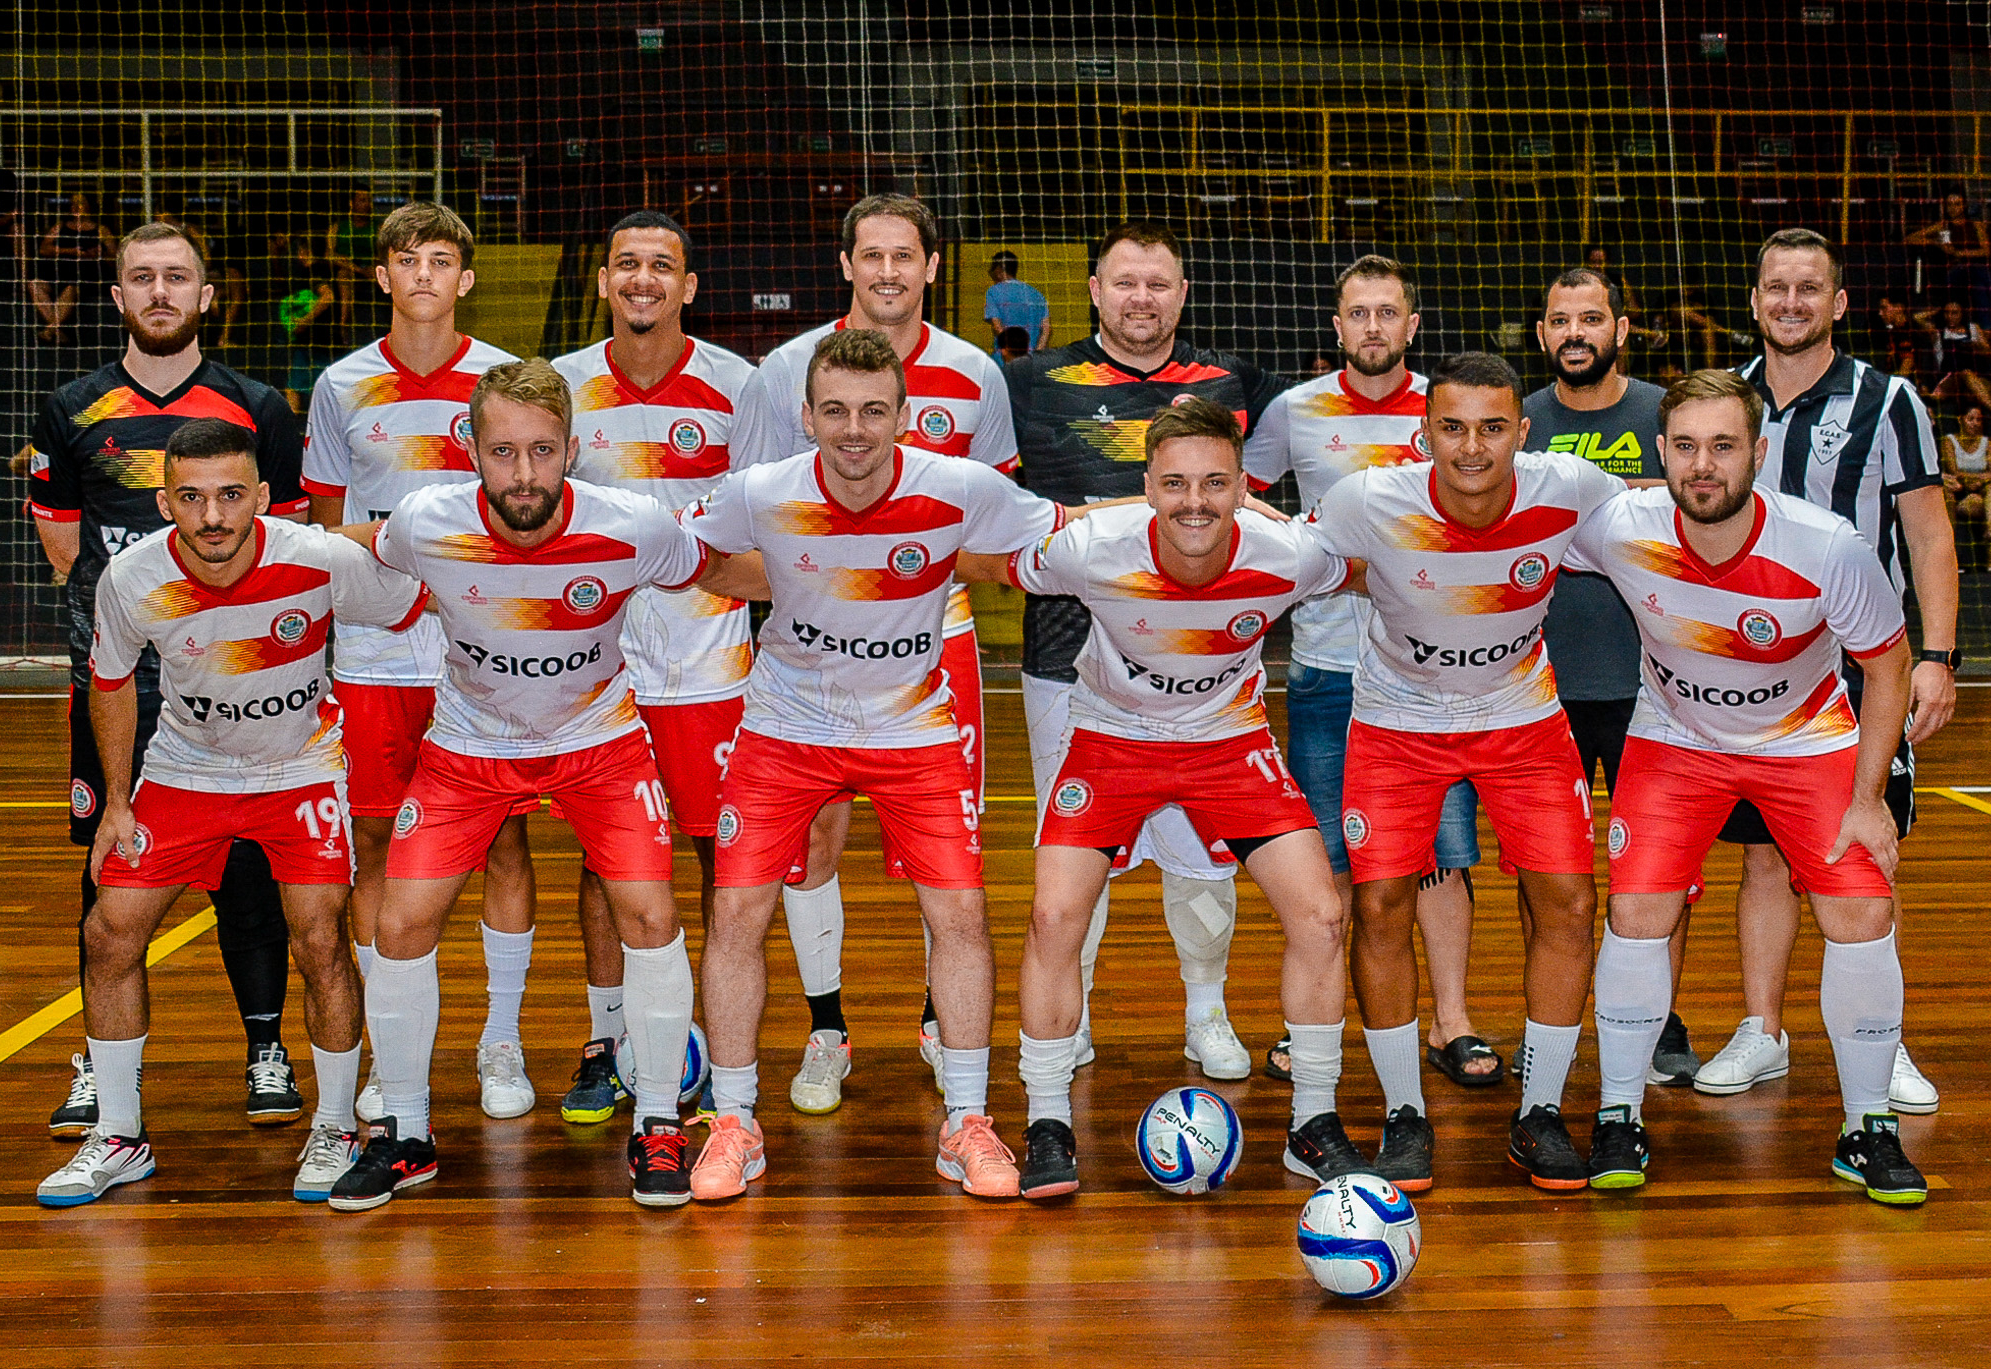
<point x="1175" y="373"/>
<point x="866" y="586"/>
<point x="954" y="444"/>
<point x="939" y="382"/>
<point x="887" y="518"/>
<point x="1234" y="583"/>
<point x="1502" y="598"/>
<point x="267" y="653"/>
<point x="1880" y="650"/>
<point x="48" y="515"/>
<point x="554" y="615"/>
<point x="323" y="491"/>
<point x="1814" y="710"/>
<point x="445" y="382"/>
<point x="199" y="402"/>
<point x="1755" y="576"/>
<point x="1422" y="532"/>
<point x="289" y="507"/>
<point x="576" y="549"/>
<point x="280" y="580"/>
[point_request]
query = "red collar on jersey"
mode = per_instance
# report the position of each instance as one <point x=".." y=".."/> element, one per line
<point x="1154" y="550"/>
<point x="1712" y="573"/>
<point x="655" y="392"/>
<point x="462" y="349"/>
<point x="503" y="538"/>
<point x="1362" y="403"/>
<point x="210" y="594"/>
<point x="1513" y="493"/>
<point x="859" y="515"/>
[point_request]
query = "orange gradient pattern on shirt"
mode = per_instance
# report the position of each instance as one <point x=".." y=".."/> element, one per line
<point x="261" y="653"/>
<point x="1504" y="598"/>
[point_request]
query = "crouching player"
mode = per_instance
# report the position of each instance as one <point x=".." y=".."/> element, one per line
<point x="1745" y="599"/>
<point x="238" y="606"/>
<point x="1168" y="709"/>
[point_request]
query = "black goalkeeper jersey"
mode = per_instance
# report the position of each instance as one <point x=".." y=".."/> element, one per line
<point x="1081" y="435"/>
<point x="96" y="458"/>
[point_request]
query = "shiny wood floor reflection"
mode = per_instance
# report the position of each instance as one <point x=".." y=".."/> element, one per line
<point x="1742" y="1249"/>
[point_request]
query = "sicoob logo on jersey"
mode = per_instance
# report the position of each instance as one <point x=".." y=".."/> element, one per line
<point x="1246" y="625"/>
<point x="728" y="826"/>
<point x="687" y="436"/>
<point x="584" y="595"/>
<point x="290" y="626"/>
<point x="1071" y="798"/>
<point x="907" y="560"/>
<point x="1759" y="629"/>
<point x="82" y="799"/>
<point x="1529" y="572"/>
<point x="408" y="819"/>
<point x="935" y="423"/>
<point x="1355" y="828"/>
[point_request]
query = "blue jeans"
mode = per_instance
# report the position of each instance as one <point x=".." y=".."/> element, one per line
<point x="1318" y="703"/>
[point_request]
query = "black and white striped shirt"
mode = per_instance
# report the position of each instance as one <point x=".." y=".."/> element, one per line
<point x="1853" y="443"/>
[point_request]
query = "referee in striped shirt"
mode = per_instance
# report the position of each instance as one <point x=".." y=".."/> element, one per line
<point x="1857" y="441"/>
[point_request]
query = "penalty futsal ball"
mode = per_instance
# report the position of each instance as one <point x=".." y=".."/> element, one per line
<point x="697" y="1065"/>
<point x="1189" y="1140"/>
<point x="1359" y="1236"/>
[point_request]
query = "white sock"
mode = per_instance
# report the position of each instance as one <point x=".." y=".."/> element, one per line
<point x="1198" y="999"/>
<point x="1046" y="1068"/>
<point x="1546" y="1060"/>
<point x="1201" y="915"/>
<point x="117" y="1064"/>
<point x="658" y="1008"/>
<point x="507" y="955"/>
<point x="736" y="1090"/>
<point x="815" y="929"/>
<point x="965" y="1077"/>
<point x="403" y="1004"/>
<point x="364" y="955"/>
<point x="1394" y="1054"/>
<point x="338" y="1081"/>
<point x="604" y="1013"/>
<point x="1316" y="1067"/>
<point x="1634" y="994"/>
<point x="1859" y="996"/>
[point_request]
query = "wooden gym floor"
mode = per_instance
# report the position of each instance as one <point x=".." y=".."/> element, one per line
<point x="1742" y="1248"/>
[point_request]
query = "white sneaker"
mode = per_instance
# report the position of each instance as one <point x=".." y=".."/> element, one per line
<point x="1085" y="1055"/>
<point x="929" y="1051"/>
<point x="1748" y="1059"/>
<point x="1211" y="1043"/>
<point x="818" y="1086"/>
<point x="103" y="1163"/>
<point x="370" y="1105"/>
<point x="502" y="1087"/>
<point x="1911" y="1090"/>
<point x="327" y="1154"/>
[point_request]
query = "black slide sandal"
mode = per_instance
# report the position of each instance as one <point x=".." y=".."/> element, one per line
<point x="1451" y="1061"/>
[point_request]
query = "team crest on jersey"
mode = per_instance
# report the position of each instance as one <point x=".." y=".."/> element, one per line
<point x="1182" y="398"/>
<point x="1619" y="838"/>
<point x="37" y="461"/>
<point x="1422" y="445"/>
<point x="687" y="436"/>
<point x="584" y="595"/>
<point x="141" y="840"/>
<point x="290" y="626"/>
<point x="82" y="799"/>
<point x="907" y="560"/>
<point x="1759" y="629"/>
<point x="460" y="430"/>
<point x="1246" y="625"/>
<point x="728" y="826"/>
<point x="408" y="819"/>
<point x="935" y="423"/>
<point x="1529" y="572"/>
<point x="1826" y="440"/>
<point x="1355" y="828"/>
<point x="1071" y="798"/>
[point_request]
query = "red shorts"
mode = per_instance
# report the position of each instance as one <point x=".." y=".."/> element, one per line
<point x="184" y="835"/>
<point x="610" y="794"/>
<point x="691" y="743"/>
<point x="1529" y="778"/>
<point x="1108" y="786"/>
<point x="383" y="729"/>
<point x="1671" y="801"/>
<point x="773" y="789"/>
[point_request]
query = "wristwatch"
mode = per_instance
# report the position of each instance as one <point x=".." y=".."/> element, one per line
<point x="1953" y="658"/>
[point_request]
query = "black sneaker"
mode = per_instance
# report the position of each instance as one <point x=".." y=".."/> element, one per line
<point x="1674" y="1063"/>
<point x="1872" y="1158"/>
<point x="1320" y="1150"/>
<point x="1050" y="1159"/>
<point x="1279" y="1060"/>
<point x="77" y="1117"/>
<point x="1618" y="1152"/>
<point x="1404" y="1158"/>
<point x="273" y="1096"/>
<point x="659" y="1170"/>
<point x="387" y="1165"/>
<point x="597" y="1088"/>
<point x="1540" y="1144"/>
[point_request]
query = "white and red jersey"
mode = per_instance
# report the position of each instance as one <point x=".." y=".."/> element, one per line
<point x="1168" y="662"/>
<point x="1743" y="657"/>
<point x="247" y="707"/>
<point x="1455" y="640"/>
<point x="1323" y="431"/>
<point x="955" y="395"/>
<point x="850" y="655"/>
<point x="378" y="431"/>
<point x="673" y="443"/>
<point x="534" y="655"/>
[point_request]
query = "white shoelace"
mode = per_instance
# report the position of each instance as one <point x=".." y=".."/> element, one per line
<point x="504" y="1068"/>
<point x="325" y="1146"/>
<point x="822" y="1064"/>
<point x="83" y="1088"/>
<point x="269" y="1073"/>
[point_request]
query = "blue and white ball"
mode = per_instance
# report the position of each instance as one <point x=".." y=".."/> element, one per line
<point x="1359" y="1236"/>
<point x="697" y="1067"/>
<point x="1189" y="1140"/>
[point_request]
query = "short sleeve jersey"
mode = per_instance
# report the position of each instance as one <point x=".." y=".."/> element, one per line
<point x="1455" y="642"/>
<point x="1322" y="431"/>
<point x="97" y="454"/>
<point x="534" y="658"/>
<point x="850" y="654"/>
<point x="1165" y="661"/>
<point x="378" y="432"/>
<point x="1081" y="431"/>
<point x="247" y="707"/>
<point x="671" y="442"/>
<point x="1743" y="657"/>
<point x="1016" y="304"/>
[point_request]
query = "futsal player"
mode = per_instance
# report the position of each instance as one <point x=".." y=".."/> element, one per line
<point x="654" y="412"/>
<point x="385" y="421"/>
<point x="94" y="473"/>
<point x="1370" y="412"/>
<point x="849" y="695"/>
<point x="532" y="575"/>
<point x="236" y="607"/>
<point x="1081" y="411"/>
<point x="1169" y="709"/>
<point x="1746" y="598"/>
<point x="957" y="405"/>
<point x="1455" y="684"/>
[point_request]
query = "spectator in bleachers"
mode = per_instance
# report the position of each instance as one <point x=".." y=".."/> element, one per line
<point x="1966" y="474"/>
<point x="350" y="255"/>
<point x="1963" y="245"/>
<point x="1643" y="338"/>
<point x="1895" y="341"/>
<point x="1321" y="365"/>
<point x="1957" y="347"/>
<point x="1011" y="303"/>
<point x="1012" y="345"/>
<point x="310" y="313"/>
<point x="69" y="261"/>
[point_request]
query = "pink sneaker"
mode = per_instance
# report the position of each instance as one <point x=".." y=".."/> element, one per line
<point x="733" y="1156"/>
<point x="975" y="1158"/>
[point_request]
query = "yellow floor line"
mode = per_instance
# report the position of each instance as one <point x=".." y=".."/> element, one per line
<point x="1967" y="800"/>
<point x="27" y="1032"/>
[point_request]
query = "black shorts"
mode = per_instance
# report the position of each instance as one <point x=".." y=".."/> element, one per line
<point x="1745" y="825"/>
<point x="1599" y="727"/>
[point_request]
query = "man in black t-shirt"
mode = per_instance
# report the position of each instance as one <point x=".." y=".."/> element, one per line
<point x="95" y="469"/>
<point x="1082" y="414"/>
